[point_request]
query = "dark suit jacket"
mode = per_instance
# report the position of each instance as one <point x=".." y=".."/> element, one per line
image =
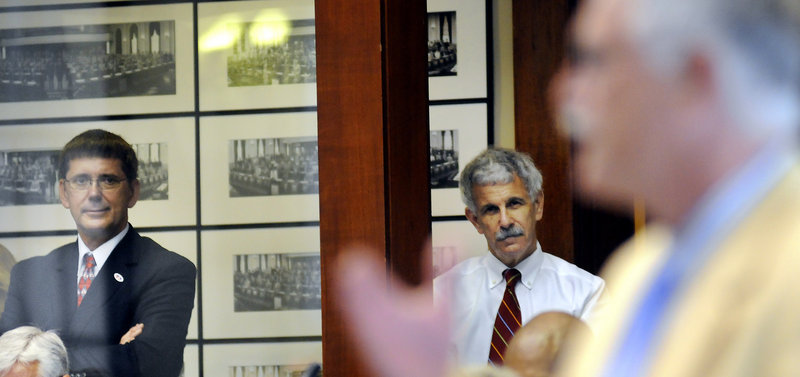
<point x="157" y="289"/>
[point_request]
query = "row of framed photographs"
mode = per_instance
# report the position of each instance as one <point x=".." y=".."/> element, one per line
<point x="258" y="168"/>
<point x="252" y="359"/>
<point x="260" y="283"/>
<point x="251" y="54"/>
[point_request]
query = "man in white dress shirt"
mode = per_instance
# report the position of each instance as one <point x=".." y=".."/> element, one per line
<point x="502" y="191"/>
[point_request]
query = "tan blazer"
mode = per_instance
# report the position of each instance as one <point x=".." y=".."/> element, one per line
<point x="740" y="315"/>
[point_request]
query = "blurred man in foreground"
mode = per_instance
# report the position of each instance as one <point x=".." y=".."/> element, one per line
<point x="693" y="106"/>
<point x="29" y="352"/>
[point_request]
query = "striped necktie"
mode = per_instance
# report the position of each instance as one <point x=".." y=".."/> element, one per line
<point x="86" y="276"/>
<point x="508" y="319"/>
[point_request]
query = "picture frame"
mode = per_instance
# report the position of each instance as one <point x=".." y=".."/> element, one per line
<point x="469" y="120"/>
<point x="220" y="161"/>
<point x="18" y="3"/>
<point x="83" y="61"/>
<point x="469" y="38"/>
<point x="178" y="209"/>
<point x="453" y="242"/>
<point x="257" y="54"/>
<point x="220" y="248"/>
<point x="260" y="359"/>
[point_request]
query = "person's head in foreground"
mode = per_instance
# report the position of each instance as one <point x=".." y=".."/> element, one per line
<point x="98" y="184"/>
<point x="535" y="347"/>
<point x="664" y="98"/>
<point x="502" y="190"/>
<point x="29" y="352"/>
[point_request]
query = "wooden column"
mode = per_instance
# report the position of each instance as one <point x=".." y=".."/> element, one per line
<point x="538" y="48"/>
<point x="373" y="147"/>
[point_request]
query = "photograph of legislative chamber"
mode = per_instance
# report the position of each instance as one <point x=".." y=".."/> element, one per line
<point x="87" y="61"/>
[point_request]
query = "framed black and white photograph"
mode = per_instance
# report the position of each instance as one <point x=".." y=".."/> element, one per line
<point x="456" y="49"/>
<point x="28" y="160"/>
<point x="458" y="133"/>
<point x="444" y="159"/>
<point x="286" y="359"/>
<point x="257" y="54"/>
<point x="270" y="278"/>
<point x="259" y="168"/>
<point x="76" y="62"/>
<point x="275" y="282"/>
<point x="453" y="242"/>
<point x="18" y="3"/>
<point x="153" y="170"/>
<point x="273" y="166"/>
<point x="28" y="177"/>
<point x="267" y="370"/>
<point x="442" y="44"/>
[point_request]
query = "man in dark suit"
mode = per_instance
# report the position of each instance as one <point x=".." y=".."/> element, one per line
<point x="120" y="301"/>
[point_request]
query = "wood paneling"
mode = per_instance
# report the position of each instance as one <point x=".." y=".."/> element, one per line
<point x="538" y="48"/>
<point x="373" y="147"/>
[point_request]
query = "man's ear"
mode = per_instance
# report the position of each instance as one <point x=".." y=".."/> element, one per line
<point x="473" y="218"/>
<point x="62" y="193"/>
<point x="135" y="186"/>
<point x="539" y="205"/>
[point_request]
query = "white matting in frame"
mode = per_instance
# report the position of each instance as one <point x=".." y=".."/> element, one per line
<point x="176" y="133"/>
<point x="259" y="359"/>
<point x="453" y="242"/>
<point x="27" y="247"/>
<point x="247" y="31"/>
<point x="220" y="249"/>
<point x="216" y="135"/>
<point x="470" y="33"/>
<point x="64" y="27"/>
<point x="470" y="123"/>
<point x="191" y="361"/>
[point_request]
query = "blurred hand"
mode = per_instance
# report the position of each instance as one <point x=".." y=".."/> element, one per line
<point x="401" y="333"/>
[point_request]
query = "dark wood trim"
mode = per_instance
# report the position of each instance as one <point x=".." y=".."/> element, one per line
<point x="538" y="48"/>
<point x="373" y="147"/>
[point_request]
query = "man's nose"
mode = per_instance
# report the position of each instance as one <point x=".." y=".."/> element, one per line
<point x="94" y="189"/>
<point x="505" y="218"/>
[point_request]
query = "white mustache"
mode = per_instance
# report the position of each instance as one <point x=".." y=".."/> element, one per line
<point x="514" y="231"/>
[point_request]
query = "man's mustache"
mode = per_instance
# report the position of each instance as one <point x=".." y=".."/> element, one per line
<point x="513" y="231"/>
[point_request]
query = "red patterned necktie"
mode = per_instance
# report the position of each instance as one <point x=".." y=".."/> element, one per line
<point x="86" y="276"/>
<point x="508" y="319"/>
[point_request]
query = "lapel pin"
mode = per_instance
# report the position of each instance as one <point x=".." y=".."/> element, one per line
<point x="118" y="277"/>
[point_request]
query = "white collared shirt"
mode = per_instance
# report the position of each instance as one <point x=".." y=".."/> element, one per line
<point x="100" y="254"/>
<point x="548" y="283"/>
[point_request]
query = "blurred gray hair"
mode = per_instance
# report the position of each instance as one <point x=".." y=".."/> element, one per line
<point x="27" y="345"/>
<point x="754" y="45"/>
<point x="499" y="166"/>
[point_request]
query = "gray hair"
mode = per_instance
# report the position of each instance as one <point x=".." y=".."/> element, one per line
<point x="497" y="165"/>
<point x="28" y="344"/>
<point x="755" y="44"/>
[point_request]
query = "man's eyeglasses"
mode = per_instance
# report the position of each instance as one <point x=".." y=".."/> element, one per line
<point x="106" y="182"/>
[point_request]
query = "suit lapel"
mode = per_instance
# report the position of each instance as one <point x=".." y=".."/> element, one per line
<point x="65" y="289"/>
<point x="107" y="283"/>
